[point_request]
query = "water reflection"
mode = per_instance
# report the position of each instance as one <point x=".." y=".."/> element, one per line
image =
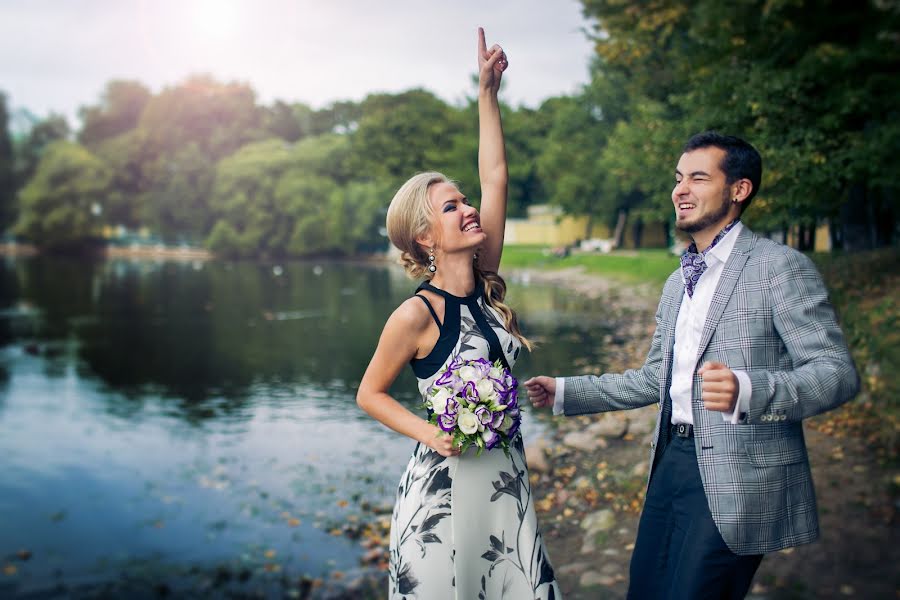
<point x="162" y="413"/>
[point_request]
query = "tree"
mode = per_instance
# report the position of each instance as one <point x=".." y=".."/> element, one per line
<point x="184" y="131"/>
<point x="275" y="199"/>
<point x="62" y="205"/>
<point x="7" y="172"/>
<point x="402" y="134"/>
<point x="119" y="111"/>
<point x="808" y="83"/>
<point x="32" y="147"/>
<point x="569" y="164"/>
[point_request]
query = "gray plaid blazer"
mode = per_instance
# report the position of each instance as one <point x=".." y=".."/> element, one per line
<point x="770" y="316"/>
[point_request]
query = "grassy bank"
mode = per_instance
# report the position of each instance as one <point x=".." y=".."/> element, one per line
<point x="641" y="266"/>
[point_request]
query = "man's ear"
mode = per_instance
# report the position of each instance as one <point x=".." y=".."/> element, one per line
<point x="741" y="189"/>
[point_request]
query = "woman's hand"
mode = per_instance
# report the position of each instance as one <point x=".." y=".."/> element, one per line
<point x="491" y="64"/>
<point x="441" y="442"/>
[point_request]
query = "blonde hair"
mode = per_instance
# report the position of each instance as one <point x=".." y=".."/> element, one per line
<point x="410" y="216"/>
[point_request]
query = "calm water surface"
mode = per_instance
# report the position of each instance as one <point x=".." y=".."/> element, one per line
<point x="164" y="417"/>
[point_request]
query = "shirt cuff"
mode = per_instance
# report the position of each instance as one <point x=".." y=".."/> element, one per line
<point x="559" y="397"/>
<point x="745" y="389"/>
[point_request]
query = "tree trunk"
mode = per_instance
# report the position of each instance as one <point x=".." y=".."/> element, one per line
<point x="589" y="228"/>
<point x="620" y="228"/>
<point x="806" y="237"/>
<point x="885" y="217"/>
<point x="637" y="231"/>
<point x="857" y="233"/>
<point x="836" y="233"/>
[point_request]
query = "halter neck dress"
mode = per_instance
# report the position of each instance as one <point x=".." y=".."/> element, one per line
<point x="464" y="527"/>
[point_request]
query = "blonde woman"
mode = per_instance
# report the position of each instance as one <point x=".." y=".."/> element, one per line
<point x="463" y="525"/>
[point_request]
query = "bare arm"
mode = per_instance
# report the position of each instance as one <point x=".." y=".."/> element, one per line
<point x="398" y="344"/>
<point x="492" y="168"/>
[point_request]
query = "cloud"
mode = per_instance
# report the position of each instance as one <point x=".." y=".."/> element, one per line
<point x="59" y="55"/>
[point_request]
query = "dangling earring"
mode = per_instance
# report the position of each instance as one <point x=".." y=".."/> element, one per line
<point x="431" y="265"/>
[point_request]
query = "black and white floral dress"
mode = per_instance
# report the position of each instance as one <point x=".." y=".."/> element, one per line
<point x="464" y="527"/>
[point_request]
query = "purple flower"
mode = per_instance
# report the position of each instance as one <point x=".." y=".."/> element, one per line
<point x="490" y="438"/>
<point x="452" y="406"/>
<point x="469" y="393"/>
<point x="497" y="420"/>
<point x="512" y="398"/>
<point x="456" y="383"/>
<point x="482" y="366"/>
<point x="484" y="415"/>
<point x="447" y="421"/>
<point x="517" y="421"/>
<point x="445" y="378"/>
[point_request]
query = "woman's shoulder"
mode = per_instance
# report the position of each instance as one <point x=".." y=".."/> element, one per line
<point x="413" y="314"/>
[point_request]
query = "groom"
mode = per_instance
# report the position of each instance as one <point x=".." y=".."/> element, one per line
<point x="746" y="347"/>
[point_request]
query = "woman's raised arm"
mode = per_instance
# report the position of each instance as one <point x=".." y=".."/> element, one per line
<point x="492" y="169"/>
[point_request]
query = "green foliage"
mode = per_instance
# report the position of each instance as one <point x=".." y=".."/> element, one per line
<point x="30" y="149"/>
<point x="403" y="134"/>
<point x="810" y="84"/>
<point x="119" y="110"/>
<point x="569" y="163"/>
<point x="277" y="199"/>
<point x="62" y="205"/>
<point x="7" y="172"/>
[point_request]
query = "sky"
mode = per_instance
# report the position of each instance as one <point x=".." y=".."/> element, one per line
<point x="57" y="55"/>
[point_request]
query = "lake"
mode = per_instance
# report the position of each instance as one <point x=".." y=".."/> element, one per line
<point x="180" y="421"/>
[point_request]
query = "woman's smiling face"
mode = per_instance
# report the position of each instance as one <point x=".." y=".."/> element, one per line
<point x="456" y="224"/>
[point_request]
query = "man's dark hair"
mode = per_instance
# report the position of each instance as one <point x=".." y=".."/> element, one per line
<point x="741" y="161"/>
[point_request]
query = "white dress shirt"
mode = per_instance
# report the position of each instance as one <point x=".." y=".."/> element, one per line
<point x="688" y="330"/>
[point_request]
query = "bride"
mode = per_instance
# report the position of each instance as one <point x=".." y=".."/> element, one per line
<point x="463" y="525"/>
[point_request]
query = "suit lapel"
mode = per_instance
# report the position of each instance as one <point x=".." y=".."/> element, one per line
<point x="668" y="342"/>
<point x="725" y="287"/>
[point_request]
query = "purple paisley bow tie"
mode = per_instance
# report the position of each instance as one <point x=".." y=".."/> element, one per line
<point x="693" y="264"/>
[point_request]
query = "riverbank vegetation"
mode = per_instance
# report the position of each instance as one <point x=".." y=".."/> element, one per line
<point x="204" y="162"/>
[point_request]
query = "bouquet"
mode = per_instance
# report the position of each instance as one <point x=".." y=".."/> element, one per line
<point x="477" y="403"/>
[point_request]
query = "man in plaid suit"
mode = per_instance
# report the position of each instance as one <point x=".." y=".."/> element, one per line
<point x="746" y="346"/>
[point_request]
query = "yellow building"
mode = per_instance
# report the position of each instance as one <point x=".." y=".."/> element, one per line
<point x="547" y="225"/>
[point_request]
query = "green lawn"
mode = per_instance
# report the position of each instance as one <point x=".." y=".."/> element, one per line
<point x="633" y="266"/>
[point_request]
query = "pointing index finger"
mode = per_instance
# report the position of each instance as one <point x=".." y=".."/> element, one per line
<point x="482" y="46"/>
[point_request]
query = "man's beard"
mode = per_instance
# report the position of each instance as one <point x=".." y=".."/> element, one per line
<point x="708" y="219"/>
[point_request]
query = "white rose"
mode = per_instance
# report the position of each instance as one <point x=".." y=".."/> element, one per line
<point x="467" y="421"/>
<point x="485" y="389"/>
<point x="506" y="424"/>
<point x="468" y="373"/>
<point x="439" y="400"/>
<point x="496" y="373"/>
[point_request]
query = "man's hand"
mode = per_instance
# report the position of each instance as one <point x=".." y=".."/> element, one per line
<point x="541" y="391"/>
<point x="720" y="388"/>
